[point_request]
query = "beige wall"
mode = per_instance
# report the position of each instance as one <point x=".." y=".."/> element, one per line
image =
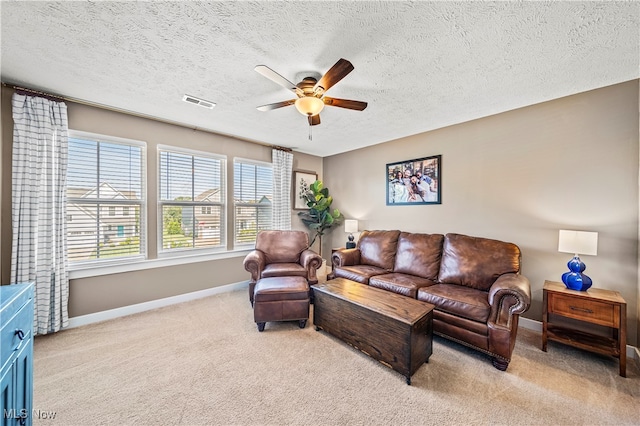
<point x="95" y="294"/>
<point x="520" y="176"/>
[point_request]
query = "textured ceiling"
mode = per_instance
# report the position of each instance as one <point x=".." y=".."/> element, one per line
<point x="419" y="65"/>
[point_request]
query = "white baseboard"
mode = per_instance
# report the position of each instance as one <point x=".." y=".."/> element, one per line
<point x="529" y="324"/>
<point x="153" y="304"/>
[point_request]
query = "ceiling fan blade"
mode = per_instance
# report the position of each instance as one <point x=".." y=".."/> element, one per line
<point x="276" y="78"/>
<point x="276" y="105"/>
<point x="314" y="120"/>
<point x="345" y="103"/>
<point x="337" y="72"/>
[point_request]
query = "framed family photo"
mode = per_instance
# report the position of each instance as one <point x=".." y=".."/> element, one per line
<point x="417" y="181"/>
<point x="301" y="181"/>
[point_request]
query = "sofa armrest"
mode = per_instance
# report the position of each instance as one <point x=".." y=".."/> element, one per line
<point x="311" y="262"/>
<point x="509" y="295"/>
<point x="254" y="263"/>
<point x="345" y="257"/>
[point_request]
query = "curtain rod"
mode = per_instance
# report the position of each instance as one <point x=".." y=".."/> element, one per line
<point x="32" y="92"/>
<point x="27" y="91"/>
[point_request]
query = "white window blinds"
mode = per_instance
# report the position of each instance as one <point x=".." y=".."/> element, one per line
<point x="191" y="200"/>
<point x="105" y="198"/>
<point x="252" y="195"/>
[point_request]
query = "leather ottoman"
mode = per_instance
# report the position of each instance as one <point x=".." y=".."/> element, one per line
<point x="281" y="299"/>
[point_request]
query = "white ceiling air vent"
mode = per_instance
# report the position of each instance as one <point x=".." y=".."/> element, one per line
<point x="196" y="101"/>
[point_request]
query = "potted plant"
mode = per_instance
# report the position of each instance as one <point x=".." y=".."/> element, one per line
<point x="319" y="218"/>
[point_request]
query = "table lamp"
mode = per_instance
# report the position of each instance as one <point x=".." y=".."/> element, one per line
<point x="577" y="242"/>
<point x="351" y="226"/>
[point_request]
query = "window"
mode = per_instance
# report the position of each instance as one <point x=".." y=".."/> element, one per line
<point x="252" y="195"/>
<point x="104" y="173"/>
<point x="191" y="200"/>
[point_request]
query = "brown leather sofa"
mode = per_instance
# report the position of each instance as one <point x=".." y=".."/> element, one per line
<point x="281" y="254"/>
<point x="474" y="283"/>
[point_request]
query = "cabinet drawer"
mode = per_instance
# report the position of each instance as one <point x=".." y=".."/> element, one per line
<point x="583" y="309"/>
<point x="9" y="339"/>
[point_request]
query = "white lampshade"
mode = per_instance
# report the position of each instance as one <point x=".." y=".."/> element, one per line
<point x="578" y="242"/>
<point x="350" y="225"/>
<point x="309" y="105"/>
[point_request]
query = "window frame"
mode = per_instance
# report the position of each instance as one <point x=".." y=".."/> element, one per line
<point x="190" y="251"/>
<point x="236" y="243"/>
<point x="142" y="203"/>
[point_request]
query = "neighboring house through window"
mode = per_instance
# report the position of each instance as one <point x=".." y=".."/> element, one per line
<point x="191" y="200"/>
<point x="252" y="195"/>
<point x="105" y="175"/>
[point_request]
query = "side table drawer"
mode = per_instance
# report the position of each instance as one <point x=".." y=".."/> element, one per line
<point x="583" y="309"/>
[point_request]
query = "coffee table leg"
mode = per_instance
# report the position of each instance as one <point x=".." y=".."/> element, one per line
<point x="409" y="380"/>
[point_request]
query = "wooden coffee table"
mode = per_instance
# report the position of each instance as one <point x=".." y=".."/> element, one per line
<point x="393" y="329"/>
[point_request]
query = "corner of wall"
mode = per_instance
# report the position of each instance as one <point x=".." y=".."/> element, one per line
<point x="638" y="289"/>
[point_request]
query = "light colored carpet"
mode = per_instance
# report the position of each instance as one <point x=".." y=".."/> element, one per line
<point x="204" y="363"/>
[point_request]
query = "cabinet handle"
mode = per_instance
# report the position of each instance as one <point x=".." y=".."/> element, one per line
<point x="20" y="334"/>
<point x="575" y="308"/>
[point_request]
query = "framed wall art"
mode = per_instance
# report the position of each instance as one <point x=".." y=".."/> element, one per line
<point x="417" y="181"/>
<point x="301" y="181"/>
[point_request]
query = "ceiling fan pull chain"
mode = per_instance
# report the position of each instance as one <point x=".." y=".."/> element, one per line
<point x="310" y="136"/>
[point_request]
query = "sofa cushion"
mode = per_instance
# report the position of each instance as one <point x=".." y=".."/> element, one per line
<point x="404" y="284"/>
<point x="284" y="270"/>
<point x="458" y="300"/>
<point x="378" y="248"/>
<point x="456" y="322"/>
<point x="419" y="255"/>
<point x="358" y="273"/>
<point x="476" y="262"/>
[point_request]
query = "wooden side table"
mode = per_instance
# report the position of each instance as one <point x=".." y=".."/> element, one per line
<point x="594" y="306"/>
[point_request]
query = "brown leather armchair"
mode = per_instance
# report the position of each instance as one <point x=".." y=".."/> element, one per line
<point x="282" y="254"/>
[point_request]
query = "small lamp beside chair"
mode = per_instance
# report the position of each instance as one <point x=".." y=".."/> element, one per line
<point x="351" y="226"/>
<point x="577" y="242"/>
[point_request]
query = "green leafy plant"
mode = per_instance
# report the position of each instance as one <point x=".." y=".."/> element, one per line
<point x="319" y="218"/>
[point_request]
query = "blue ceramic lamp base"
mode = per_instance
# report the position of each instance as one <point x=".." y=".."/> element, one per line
<point x="575" y="279"/>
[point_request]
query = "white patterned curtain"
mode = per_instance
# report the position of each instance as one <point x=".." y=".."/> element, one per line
<point x="39" y="248"/>
<point x="281" y="207"/>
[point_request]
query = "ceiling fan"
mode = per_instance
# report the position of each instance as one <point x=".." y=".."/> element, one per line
<point x="310" y="91"/>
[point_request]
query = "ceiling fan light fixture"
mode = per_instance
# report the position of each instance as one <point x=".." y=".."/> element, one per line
<point x="309" y="105"/>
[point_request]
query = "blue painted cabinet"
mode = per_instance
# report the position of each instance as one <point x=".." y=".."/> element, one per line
<point x="16" y="354"/>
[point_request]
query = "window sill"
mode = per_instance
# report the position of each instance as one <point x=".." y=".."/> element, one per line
<point x="98" y="270"/>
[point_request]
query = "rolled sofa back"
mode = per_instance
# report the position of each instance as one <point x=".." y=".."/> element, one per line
<point x="419" y="255"/>
<point x="473" y="262"/>
<point x="378" y="248"/>
<point x="476" y="262"/>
